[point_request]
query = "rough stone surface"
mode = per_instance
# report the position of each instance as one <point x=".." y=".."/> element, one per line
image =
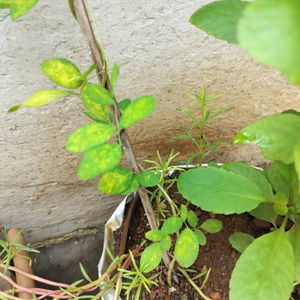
<point x="160" y="54"/>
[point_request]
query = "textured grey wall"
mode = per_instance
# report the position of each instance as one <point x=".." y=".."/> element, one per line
<point x="160" y="54"/>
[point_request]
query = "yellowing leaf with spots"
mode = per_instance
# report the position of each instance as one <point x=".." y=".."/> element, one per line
<point x="89" y="136"/>
<point x="63" y="72"/>
<point x="115" y="181"/>
<point x="137" y="110"/>
<point x="44" y="97"/>
<point x="151" y="257"/>
<point x="99" y="160"/>
<point x="97" y="94"/>
<point x="186" y="248"/>
<point x="94" y="107"/>
<point x="133" y="186"/>
<point x="19" y="8"/>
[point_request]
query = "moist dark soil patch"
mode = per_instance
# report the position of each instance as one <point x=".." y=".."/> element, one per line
<point x="217" y="254"/>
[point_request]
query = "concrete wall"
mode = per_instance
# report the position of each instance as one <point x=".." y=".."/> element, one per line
<point x="160" y="54"/>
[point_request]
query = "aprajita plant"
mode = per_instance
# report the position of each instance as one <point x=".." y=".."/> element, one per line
<point x="268" y="268"/>
<point x="104" y="139"/>
<point x="102" y="142"/>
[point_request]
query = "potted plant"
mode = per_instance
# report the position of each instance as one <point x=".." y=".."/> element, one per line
<point x="268" y="266"/>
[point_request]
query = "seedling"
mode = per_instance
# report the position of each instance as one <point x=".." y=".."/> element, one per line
<point x="136" y="280"/>
<point x="189" y="237"/>
<point x="162" y="183"/>
<point x="198" y="118"/>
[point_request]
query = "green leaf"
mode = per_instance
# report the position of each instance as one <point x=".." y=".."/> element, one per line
<point x="89" y="136"/>
<point x="124" y="104"/>
<point x="280" y="206"/>
<point x="281" y="209"/>
<point x="240" y="241"/>
<point x="186" y="248"/>
<point x="265" y="269"/>
<point x="201" y="237"/>
<point x="88" y="71"/>
<point x="192" y="218"/>
<point x="44" y="97"/>
<point x="166" y="243"/>
<point x="270" y="21"/>
<point x="137" y="110"/>
<point x="183" y="212"/>
<point x="19" y="8"/>
<point x="151" y="257"/>
<point x="212" y="225"/>
<point x="97" y="94"/>
<point x="297" y="157"/>
<point x="294" y="238"/>
<point x="99" y="160"/>
<point x="220" y="18"/>
<point x="291" y="111"/>
<point x="133" y="186"/>
<point x="154" y="235"/>
<point x="114" y="76"/>
<point x="72" y="8"/>
<point x="5" y="3"/>
<point x="96" y="110"/>
<point x="14" y="108"/>
<point x="115" y="181"/>
<point x="148" y="178"/>
<point x="63" y="72"/>
<point x="276" y="136"/>
<point x="172" y="225"/>
<point x="219" y="191"/>
<point x="264" y="211"/>
<point x="84" y="273"/>
<point x="254" y="175"/>
<point x="284" y="179"/>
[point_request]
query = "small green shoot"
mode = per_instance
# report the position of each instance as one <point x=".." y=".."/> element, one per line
<point x="199" y="118"/>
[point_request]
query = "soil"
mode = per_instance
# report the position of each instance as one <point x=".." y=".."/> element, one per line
<point x="217" y="255"/>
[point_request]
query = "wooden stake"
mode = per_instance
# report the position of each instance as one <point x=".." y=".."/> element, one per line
<point x="21" y="261"/>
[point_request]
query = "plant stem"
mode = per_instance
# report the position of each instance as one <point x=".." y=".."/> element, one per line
<point x="169" y="276"/>
<point x="170" y="201"/>
<point x="193" y="284"/>
<point x="118" y="286"/>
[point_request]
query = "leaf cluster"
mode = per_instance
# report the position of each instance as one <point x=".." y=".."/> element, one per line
<point x="272" y="195"/>
<point x="100" y="156"/>
<point x="189" y="235"/>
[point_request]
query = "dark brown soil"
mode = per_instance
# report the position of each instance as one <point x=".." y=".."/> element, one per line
<point x="218" y="255"/>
